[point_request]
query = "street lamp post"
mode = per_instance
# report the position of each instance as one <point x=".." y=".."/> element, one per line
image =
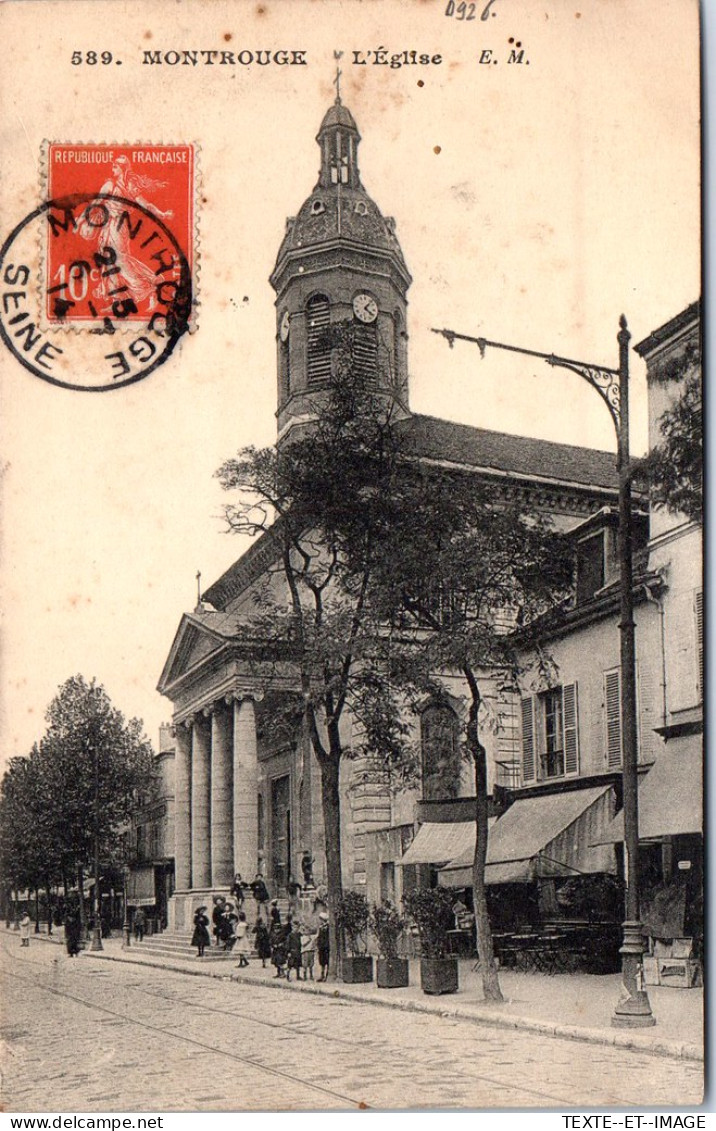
<point x="633" y="1008"/>
<point x="96" y="940"/>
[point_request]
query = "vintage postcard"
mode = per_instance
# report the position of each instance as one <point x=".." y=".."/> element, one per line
<point x="352" y="665"/>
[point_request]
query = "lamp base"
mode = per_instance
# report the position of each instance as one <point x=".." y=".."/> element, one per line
<point x="633" y="1010"/>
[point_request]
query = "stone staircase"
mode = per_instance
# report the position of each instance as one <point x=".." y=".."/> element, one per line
<point x="178" y="946"/>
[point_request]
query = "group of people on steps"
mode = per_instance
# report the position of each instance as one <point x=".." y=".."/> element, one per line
<point x="293" y="945"/>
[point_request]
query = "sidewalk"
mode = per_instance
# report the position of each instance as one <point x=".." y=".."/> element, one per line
<point x="575" y="1006"/>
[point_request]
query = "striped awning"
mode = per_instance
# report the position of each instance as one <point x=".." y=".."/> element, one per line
<point x="553" y="835"/>
<point x="437" y="843"/>
<point x="671" y="797"/>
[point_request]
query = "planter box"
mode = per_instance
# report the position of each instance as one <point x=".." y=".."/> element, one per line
<point x="392" y="973"/>
<point x="358" y="968"/>
<point x="438" y="975"/>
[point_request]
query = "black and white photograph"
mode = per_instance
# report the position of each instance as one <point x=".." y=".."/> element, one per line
<point x="352" y="559"/>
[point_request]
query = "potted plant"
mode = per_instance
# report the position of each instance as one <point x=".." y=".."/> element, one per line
<point x="431" y="911"/>
<point x="352" y="916"/>
<point x="387" y="925"/>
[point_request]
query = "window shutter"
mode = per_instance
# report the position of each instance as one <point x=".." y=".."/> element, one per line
<point x="528" y="739"/>
<point x="319" y="354"/>
<point x="571" y="728"/>
<point x="613" y="711"/>
<point x="699" y="609"/>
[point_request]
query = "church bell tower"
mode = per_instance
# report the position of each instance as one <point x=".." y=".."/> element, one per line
<point x="339" y="262"/>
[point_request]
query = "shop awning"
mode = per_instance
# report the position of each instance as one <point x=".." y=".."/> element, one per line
<point x="670" y="798"/>
<point x="545" y="836"/>
<point x="437" y="843"/>
<point x="140" y="887"/>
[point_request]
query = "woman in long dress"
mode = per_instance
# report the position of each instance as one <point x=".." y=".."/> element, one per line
<point x="201" y="938"/>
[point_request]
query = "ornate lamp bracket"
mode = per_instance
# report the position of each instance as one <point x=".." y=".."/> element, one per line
<point x="605" y="381"/>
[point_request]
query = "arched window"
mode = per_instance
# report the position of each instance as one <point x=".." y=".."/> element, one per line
<point x="318" y="316"/>
<point x="440" y="748"/>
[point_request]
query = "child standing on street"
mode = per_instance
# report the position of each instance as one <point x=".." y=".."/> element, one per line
<point x="308" y="953"/>
<point x="25" y="924"/>
<point x="263" y="942"/>
<point x="294" y="953"/>
<point x="241" y="931"/>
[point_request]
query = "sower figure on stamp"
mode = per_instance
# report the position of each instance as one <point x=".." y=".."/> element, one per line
<point x="113" y="241"/>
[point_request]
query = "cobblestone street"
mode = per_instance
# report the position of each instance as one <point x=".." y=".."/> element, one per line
<point x="87" y="1035"/>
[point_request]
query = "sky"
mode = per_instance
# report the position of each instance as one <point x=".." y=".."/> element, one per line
<point x="534" y="203"/>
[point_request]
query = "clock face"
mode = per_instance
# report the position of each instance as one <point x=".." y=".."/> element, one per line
<point x="285" y="326"/>
<point x="365" y="308"/>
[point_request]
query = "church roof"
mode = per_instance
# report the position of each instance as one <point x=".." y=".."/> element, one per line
<point x="458" y="445"/>
<point x="501" y="452"/>
<point x="338" y="115"/>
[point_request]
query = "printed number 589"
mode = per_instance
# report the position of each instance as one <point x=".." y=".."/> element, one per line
<point x="91" y="57"/>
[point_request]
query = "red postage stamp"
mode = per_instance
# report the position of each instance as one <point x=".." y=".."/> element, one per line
<point x="111" y="261"/>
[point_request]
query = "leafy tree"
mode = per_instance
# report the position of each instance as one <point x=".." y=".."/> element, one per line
<point x="67" y="803"/>
<point x="324" y="499"/>
<point x="673" y="469"/>
<point x="393" y="573"/>
<point x="457" y="576"/>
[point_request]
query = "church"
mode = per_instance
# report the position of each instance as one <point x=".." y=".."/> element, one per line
<point x="246" y="801"/>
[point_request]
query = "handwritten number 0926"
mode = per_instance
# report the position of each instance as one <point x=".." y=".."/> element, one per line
<point x="91" y="57"/>
<point x="464" y="11"/>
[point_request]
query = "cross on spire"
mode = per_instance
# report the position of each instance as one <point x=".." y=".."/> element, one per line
<point x="337" y="80"/>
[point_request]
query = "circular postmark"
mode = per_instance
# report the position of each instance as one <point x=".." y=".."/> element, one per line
<point x="95" y="292"/>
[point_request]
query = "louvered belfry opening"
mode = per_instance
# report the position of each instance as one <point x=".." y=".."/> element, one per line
<point x="319" y="348"/>
<point x="365" y="354"/>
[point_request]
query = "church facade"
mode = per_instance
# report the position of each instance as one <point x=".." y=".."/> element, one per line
<point x="248" y="795"/>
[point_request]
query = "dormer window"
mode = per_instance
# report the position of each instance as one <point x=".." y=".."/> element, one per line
<point x="591" y="566"/>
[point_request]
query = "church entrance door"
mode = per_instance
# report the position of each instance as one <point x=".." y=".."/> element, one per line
<point x="280" y="832"/>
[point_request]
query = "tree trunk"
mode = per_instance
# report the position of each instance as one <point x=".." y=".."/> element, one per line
<point x="37" y="911"/>
<point x="48" y="889"/>
<point x="488" y="968"/>
<point x="331" y="803"/>
<point x="81" y="890"/>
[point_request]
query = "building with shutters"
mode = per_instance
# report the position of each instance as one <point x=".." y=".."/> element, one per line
<point x="150" y="882"/>
<point x="247" y="800"/>
<point x="567" y="780"/>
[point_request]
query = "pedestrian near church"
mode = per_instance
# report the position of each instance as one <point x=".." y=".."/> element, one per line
<point x="140" y="923"/>
<point x="308" y="952"/>
<point x="238" y="890"/>
<point x="73" y="929"/>
<point x="217" y="917"/>
<point x="241" y="931"/>
<point x="201" y="937"/>
<point x="323" y="946"/>
<point x="294" y="953"/>
<point x="260" y="894"/>
<point x="263" y="941"/>
<point x="279" y="948"/>
<point x="25" y="924"/>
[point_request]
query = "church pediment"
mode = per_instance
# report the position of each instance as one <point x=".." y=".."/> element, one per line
<point x="199" y="635"/>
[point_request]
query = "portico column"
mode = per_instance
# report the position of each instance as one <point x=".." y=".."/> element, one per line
<point x="182" y="809"/>
<point x="222" y="833"/>
<point x="200" y="803"/>
<point x="246" y="822"/>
